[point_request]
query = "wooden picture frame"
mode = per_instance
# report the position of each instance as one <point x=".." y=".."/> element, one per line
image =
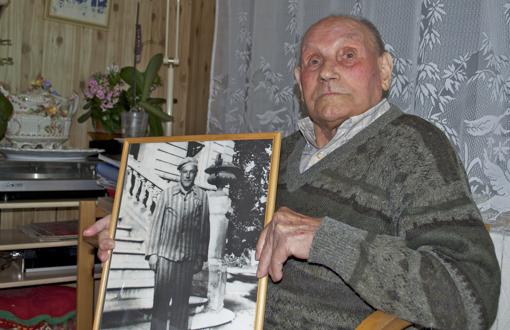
<point x="92" y="13"/>
<point x="238" y="174"/>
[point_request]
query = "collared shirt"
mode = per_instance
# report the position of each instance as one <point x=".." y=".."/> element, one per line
<point x="180" y="225"/>
<point x="312" y="154"/>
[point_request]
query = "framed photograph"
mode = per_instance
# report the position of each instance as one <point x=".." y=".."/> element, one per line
<point x="187" y="214"/>
<point x="93" y="13"/>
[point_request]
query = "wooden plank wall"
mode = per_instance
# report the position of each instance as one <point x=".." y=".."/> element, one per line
<point x="68" y="54"/>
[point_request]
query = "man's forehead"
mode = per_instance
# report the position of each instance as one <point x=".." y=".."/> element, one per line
<point x="337" y="29"/>
<point x="353" y="36"/>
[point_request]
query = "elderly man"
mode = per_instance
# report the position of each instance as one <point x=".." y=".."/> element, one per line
<point x="177" y="246"/>
<point x="375" y="211"/>
<point x="374" y="207"/>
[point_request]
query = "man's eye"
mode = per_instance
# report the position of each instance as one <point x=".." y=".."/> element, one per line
<point x="314" y="61"/>
<point x="350" y="55"/>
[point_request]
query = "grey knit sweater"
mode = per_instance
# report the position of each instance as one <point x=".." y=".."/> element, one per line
<point x="400" y="233"/>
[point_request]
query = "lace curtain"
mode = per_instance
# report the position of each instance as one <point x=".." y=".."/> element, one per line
<point x="451" y="67"/>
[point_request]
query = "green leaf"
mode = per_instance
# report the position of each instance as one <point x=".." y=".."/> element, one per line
<point x="155" y="126"/>
<point x="85" y="116"/>
<point x="5" y="108"/>
<point x="150" y="74"/>
<point x="127" y="73"/>
<point x="144" y="83"/>
<point x="108" y="125"/>
<point x="156" y="100"/>
<point x="156" y="111"/>
<point x="3" y="127"/>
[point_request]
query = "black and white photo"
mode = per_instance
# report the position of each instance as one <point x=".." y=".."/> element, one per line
<point x="188" y="213"/>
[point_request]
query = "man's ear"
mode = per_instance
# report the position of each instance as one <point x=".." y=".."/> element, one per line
<point x="385" y="70"/>
<point x="297" y="76"/>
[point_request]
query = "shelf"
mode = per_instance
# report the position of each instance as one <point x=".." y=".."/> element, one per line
<point x="38" y="204"/>
<point x="15" y="239"/>
<point x="12" y="278"/>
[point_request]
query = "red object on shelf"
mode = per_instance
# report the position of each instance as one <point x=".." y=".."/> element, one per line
<point x="34" y="307"/>
<point x="110" y="192"/>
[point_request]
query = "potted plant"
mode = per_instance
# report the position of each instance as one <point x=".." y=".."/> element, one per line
<point x="104" y="100"/>
<point x="141" y="85"/>
<point x="109" y="95"/>
<point x="5" y="114"/>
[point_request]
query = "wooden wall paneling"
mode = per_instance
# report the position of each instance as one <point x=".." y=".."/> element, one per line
<point x="90" y="59"/>
<point x="58" y="56"/>
<point x="81" y="70"/>
<point x="67" y="213"/>
<point x="10" y="219"/>
<point x="191" y="86"/>
<point x="154" y="40"/>
<point x="11" y="28"/>
<point x="122" y="34"/>
<point x="201" y="41"/>
<point x="146" y="20"/>
<point x="26" y="216"/>
<point x="181" y="73"/>
<point x="152" y="21"/>
<point x="31" y="44"/>
<point x="113" y="36"/>
<point x="94" y="52"/>
<point x="41" y="215"/>
<point x="7" y="219"/>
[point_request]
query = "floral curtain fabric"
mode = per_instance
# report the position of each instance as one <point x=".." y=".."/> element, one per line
<point x="451" y="67"/>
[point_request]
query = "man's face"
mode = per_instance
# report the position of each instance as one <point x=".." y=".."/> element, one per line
<point x="340" y="74"/>
<point x="188" y="175"/>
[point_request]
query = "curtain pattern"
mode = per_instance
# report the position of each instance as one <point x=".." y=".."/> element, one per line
<point x="451" y="67"/>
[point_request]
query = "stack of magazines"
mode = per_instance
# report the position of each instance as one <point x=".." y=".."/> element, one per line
<point x="107" y="172"/>
<point x="52" y="231"/>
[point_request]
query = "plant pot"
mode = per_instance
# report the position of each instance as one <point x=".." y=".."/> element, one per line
<point x="134" y="123"/>
<point x="100" y="133"/>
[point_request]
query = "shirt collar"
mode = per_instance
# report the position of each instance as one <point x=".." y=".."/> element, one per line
<point x="176" y="189"/>
<point x="306" y="125"/>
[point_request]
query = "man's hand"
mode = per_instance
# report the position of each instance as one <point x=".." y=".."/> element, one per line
<point x="288" y="234"/>
<point x="197" y="266"/>
<point x="153" y="262"/>
<point x="105" y="243"/>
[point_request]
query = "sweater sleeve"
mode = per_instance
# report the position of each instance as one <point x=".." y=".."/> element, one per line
<point x="439" y="269"/>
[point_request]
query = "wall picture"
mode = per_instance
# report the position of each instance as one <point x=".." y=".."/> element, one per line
<point x="187" y="214"/>
<point x="94" y="13"/>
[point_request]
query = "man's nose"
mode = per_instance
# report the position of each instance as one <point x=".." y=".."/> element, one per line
<point x="329" y="71"/>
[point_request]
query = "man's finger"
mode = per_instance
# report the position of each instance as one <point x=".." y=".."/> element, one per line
<point x="103" y="255"/>
<point x="261" y="242"/>
<point x="278" y="258"/>
<point x="99" y="226"/>
<point x="106" y="243"/>
<point x="265" y="255"/>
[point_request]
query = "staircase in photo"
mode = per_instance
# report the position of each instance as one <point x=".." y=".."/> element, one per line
<point x="130" y="280"/>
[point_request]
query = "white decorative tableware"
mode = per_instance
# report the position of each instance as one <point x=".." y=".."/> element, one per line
<point x="41" y="119"/>
<point x="49" y="155"/>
